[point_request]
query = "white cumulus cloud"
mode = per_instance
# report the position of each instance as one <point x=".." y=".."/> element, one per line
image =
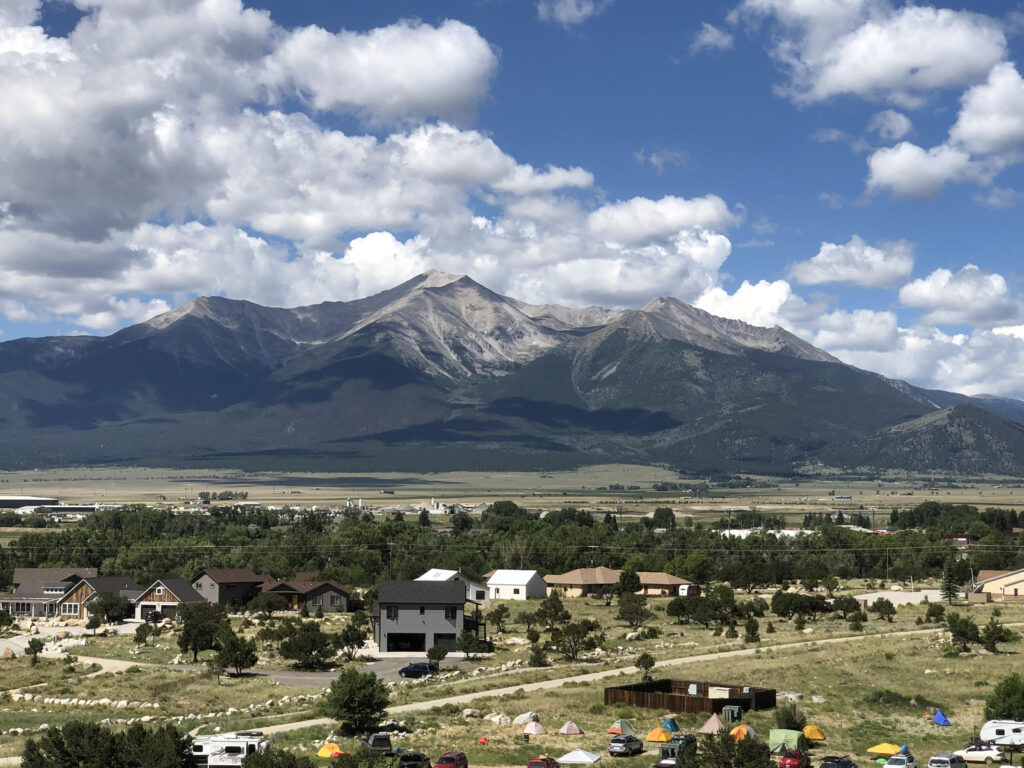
<point x="641" y="219"/>
<point x="570" y="12"/>
<point x="857" y="262"/>
<point x="890" y="124"/>
<point x="968" y="297"/>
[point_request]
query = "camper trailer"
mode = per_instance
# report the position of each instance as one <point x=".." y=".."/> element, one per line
<point x="228" y="749"/>
<point x="1005" y="733"/>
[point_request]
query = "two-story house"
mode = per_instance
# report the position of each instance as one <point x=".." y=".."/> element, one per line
<point x="413" y="616"/>
<point x="229" y="586"/>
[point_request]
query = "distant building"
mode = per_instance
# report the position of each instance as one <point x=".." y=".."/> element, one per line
<point x="74" y="604"/>
<point x="1000" y="585"/>
<point x="228" y="586"/>
<point x="166" y="596"/>
<point x="584" y="582"/>
<point x="16" y="502"/>
<point x="507" y="584"/>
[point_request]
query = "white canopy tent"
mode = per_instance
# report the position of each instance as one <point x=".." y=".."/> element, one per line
<point x="579" y="756"/>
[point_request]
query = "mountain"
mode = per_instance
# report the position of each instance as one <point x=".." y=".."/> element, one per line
<point x="441" y="372"/>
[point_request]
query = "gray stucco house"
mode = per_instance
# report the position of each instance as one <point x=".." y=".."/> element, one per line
<point x="413" y="616"/>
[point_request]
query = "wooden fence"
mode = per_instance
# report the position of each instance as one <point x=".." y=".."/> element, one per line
<point x="690" y="696"/>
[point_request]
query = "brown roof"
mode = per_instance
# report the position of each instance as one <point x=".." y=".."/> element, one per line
<point x="302" y="587"/>
<point x="585" y="577"/>
<point x="985" y="575"/>
<point x="659" y="579"/>
<point x="228" y="575"/>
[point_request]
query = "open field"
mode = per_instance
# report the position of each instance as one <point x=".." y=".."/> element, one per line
<point x="875" y="690"/>
<point x="589" y="487"/>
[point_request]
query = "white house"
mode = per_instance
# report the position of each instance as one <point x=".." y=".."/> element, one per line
<point x="507" y="584"/>
<point x="475" y="593"/>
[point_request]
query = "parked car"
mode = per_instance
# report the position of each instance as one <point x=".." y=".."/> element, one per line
<point x="947" y="761"/>
<point x="418" y="669"/>
<point x="154" y="617"/>
<point x="837" y="761"/>
<point x="981" y="753"/>
<point x="624" y="746"/>
<point x="452" y="760"/>
<point x="902" y="760"/>
<point x="413" y="760"/>
<point x="542" y="762"/>
<point x="683" y="741"/>
<point x="794" y="758"/>
<point x="379" y="742"/>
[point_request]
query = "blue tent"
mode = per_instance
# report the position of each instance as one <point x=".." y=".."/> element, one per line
<point x="670" y="725"/>
<point x="940" y="718"/>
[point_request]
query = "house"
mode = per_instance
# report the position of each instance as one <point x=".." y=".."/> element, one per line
<point x="658" y="584"/>
<point x="329" y="596"/>
<point x="1000" y="585"/>
<point x="164" y="596"/>
<point x="413" y="616"/>
<point x="505" y="584"/>
<point x="229" y="586"/>
<point x="73" y="605"/>
<point x="475" y="593"/>
<point x="37" y="590"/>
<point x="584" y="582"/>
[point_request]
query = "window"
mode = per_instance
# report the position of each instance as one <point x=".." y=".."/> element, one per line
<point x="199" y="585"/>
<point x="334" y="600"/>
<point x="515" y="591"/>
<point x="480" y="594"/>
<point x="318" y="600"/>
<point x="450" y="612"/>
<point x="232" y="750"/>
<point x="159" y="590"/>
<point x="422" y="610"/>
<point x="392" y="612"/>
<point x="69" y="609"/>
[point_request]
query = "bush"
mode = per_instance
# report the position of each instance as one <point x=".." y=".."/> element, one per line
<point x="790" y="717"/>
<point x="538" y="658"/>
<point x="357" y="701"/>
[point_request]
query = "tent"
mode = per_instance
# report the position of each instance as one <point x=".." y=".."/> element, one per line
<point x="940" y="718"/>
<point x="885" y="749"/>
<point x="579" y="756"/>
<point x="570" y="729"/>
<point x="713" y="725"/>
<point x="741" y="732"/>
<point x="782" y="738"/>
<point x="670" y="725"/>
<point x="814" y="733"/>
<point x="659" y="734"/>
<point x="533" y="728"/>
<point x="622" y="727"/>
<point x="330" y="749"/>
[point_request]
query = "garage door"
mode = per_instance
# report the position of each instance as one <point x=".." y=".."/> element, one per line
<point x="411" y="643"/>
<point x="446" y="641"/>
<point x="169" y="611"/>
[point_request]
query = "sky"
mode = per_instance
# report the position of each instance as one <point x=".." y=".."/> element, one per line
<point x="852" y="170"/>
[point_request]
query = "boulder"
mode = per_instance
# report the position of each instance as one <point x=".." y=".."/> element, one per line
<point x="525" y="718"/>
<point x="470" y="713"/>
<point x="6" y="653"/>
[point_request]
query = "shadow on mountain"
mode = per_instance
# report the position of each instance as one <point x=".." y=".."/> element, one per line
<point x="629" y="421"/>
<point x="462" y="431"/>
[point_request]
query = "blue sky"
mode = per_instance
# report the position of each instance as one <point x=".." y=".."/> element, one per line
<point x="849" y="169"/>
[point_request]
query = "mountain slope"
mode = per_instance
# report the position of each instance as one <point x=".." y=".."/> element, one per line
<point x="442" y="372"/>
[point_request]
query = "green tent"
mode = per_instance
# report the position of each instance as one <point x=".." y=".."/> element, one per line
<point x="781" y="738"/>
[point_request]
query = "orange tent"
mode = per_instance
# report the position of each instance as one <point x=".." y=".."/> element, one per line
<point x="659" y="734"/>
<point x="741" y="732"/>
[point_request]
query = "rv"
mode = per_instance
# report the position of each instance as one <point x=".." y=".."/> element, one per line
<point x="1006" y="733"/>
<point x="227" y="749"/>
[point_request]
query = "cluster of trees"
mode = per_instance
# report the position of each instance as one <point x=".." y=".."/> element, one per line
<point x="956" y="518"/>
<point x="77" y="742"/>
<point x="357" y="550"/>
<point x="223" y="495"/>
<point x="569" y="638"/>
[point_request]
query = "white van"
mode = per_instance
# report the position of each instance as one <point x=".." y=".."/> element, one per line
<point x="1003" y="732"/>
<point x="228" y="749"/>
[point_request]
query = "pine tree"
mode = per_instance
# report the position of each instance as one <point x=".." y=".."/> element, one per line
<point x="950" y="589"/>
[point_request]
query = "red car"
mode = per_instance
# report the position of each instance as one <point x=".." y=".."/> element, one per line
<point x="452" y="760"/>
<point x="794" y="758"/>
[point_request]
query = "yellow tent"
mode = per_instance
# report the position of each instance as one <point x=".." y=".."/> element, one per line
<point x="885" y="749"/>
<point x="814" y="733"/>
<point x="330" y="749"/>
<point x="659" y="734"/>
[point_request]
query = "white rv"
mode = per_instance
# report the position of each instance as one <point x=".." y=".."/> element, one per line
<point x="228" y="749"/>
<point x="1003" y="732"/>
